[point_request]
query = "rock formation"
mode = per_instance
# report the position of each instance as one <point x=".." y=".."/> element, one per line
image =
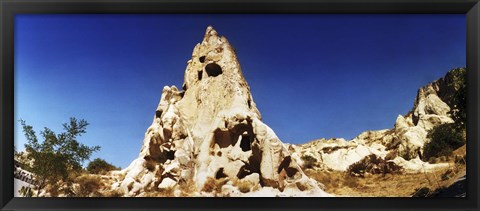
<point x="403" y="144"/>
<point x="212" y="132"/>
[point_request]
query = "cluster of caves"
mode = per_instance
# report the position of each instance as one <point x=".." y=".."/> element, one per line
<point x="243" y="133"/>
<point x="212" y="69"/>
<point x="248" y="142"/>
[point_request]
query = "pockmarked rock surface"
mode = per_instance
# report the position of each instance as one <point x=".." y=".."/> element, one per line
<point x="208" y="138"/>
<point x="403" y="144"/>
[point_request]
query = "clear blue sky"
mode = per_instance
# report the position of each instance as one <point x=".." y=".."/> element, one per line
<point x="312" y="76"/>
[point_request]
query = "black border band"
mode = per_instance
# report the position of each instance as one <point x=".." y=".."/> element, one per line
<point x="9" y="8"/>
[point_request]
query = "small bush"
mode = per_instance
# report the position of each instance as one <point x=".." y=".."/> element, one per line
<point x="309" y="161"/>
<point x="214" y="185"/>
<point x="443" y="140"/>
<point x="391" y="155"/>
<point x="243" y="187"/>
<point x="209" y="185"/>
<point x="374" y="165"/>
<point x="150" y="165"/>
<point x="329" y="150"/>
<point x="408" y="153"/>
<point x="100" y="166"/>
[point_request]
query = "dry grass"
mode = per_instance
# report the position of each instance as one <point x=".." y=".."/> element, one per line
<point x="243" y="186"/>
<point x="113" y="193"/>
<point x="88" y="185"/>
<point x="333" y="180"/>
<point x="187" y="187"/>
<point x="160" y="193"/>
<point x="214" y="185"/>
<point x="390" y="185"/>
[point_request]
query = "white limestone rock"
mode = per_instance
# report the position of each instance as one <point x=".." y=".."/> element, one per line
<point x="406" y="139"/>
<point x="167" y="183"/>
<point x="213" y="129"/>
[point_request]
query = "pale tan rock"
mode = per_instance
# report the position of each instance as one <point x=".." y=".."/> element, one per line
<point x="406" y="139"/>
<point x="167" y="183"/>
<point x="212" y="129"/>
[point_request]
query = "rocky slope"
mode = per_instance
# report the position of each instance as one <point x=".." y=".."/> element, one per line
<point x="401" y="145"/>
<point x="208" y="138"/>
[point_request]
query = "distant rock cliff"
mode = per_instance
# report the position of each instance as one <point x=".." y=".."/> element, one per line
<point x="208" y="138"/>
<point x="403" y="144"/>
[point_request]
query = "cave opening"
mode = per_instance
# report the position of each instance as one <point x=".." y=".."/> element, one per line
<point x="158" y="114"/>
<point x="220" y="174"/>
<point x="245" y="143"/>
<point x="170" y="154"/>
<point x="213" y="69"/>
<point x="201" y="59"/>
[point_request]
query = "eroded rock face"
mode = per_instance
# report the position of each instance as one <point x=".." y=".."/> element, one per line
<point x="211" y="130"/>
<point x="403" y="144"/>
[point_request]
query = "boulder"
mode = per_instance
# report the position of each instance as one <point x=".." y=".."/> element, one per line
<point x="167" y="183"/>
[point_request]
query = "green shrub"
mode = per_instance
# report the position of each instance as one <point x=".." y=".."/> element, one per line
<point x="309" y="161"/>
<point x="55" y="157"/>
<point x="459" y="98"/>
<point x="98" y="166"/>
<point x="373" y="165"/>
<point x="443" y="140"/>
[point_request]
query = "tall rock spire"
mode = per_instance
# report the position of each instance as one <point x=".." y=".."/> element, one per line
<point x="211" y="132"/>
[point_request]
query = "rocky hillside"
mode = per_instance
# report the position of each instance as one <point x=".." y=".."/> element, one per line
<point x="208" y="138"/>
<point x="401" y="145"/>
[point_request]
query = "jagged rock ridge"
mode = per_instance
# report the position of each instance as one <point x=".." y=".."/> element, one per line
<point x="403" y="144"/>
<point x="211" y="132"/>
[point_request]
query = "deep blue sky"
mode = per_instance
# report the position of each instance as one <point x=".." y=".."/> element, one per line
<point x="312" y="76"/>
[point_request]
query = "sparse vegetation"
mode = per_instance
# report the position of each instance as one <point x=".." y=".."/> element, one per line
<point x="168" y="192"/>
<point x="444" y="139"/>
<point x="113" y="193"/>
<point x="459" y="98"/>
<point x="373" y="165"/>
<point x="100" y="166"/>
<point x="187" y="187"/>
<point x="408" y="153"/>
<point x="309" y="161"/>
<point x="329" y="150"/>
<point x="214" y="185"/>
<point x="88" y="185"/>
<point x="58" y="156"/>
<point x="371" y="185"/>
<point x="422" y="192"/>
<point x="25" y="192"/>
<point x="150" y="165"/>
<point x="244" y="187"/>
<point x="427" y="192"/>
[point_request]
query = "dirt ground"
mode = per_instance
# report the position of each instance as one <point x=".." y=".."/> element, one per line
<point x="389" y="185"/>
